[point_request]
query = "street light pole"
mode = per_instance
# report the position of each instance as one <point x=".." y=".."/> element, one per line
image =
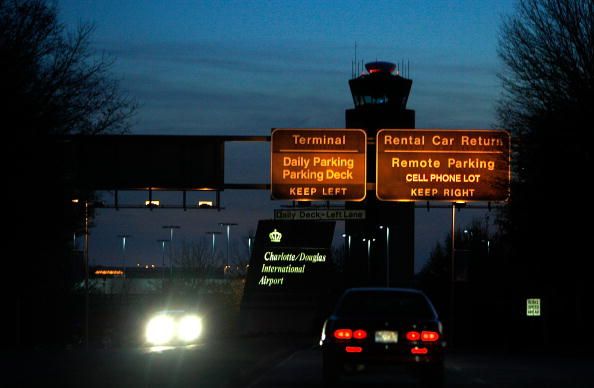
<point x="163" y="258"/>
<point x="369" y="260"/>
<point x="213" y="241"/>
<point x="455" y="206"/>
<point x="387" y="254"/>
<point x="228" y="225"/>
<point x="171" y="227"/>
<point x="124" y="237"/>
<point x="163" y="251"/>
<point x="250" y="238"/>
<point x="347" y="245"/>
<point x="368" y="240"/>
<point x="86" y="255"/>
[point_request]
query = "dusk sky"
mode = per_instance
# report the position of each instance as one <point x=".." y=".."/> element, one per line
<point x="244" y="67"/>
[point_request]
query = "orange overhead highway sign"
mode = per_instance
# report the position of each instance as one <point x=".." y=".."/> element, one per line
<point x="444" y="165"/>
<point x="318" y="164"/>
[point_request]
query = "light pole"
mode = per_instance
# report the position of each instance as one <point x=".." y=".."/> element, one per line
<point x="250" y="239"/>
<point x="163" y="251"/>
<point x="87" y="204"/>
<point x="347" y="245"/>
<point x="171" y="227"/>
<point x="124" y="237"/>
<point x="455" y="206"/>
<point x="387" y="254"/>
<point x="213" y="241"/>
<point x="368" y="240"/>
<point x="228" y="225"/>
<point x="86" y="256"/>
<point x="163" y="257"/>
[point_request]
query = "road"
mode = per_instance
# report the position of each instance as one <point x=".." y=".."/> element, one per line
<point x="303" y="369"/>
<point x="223" y="362"/>
<point x="263" y="362"/>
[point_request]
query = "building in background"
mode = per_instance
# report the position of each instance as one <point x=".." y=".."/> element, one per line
<point x="381" y="247"/>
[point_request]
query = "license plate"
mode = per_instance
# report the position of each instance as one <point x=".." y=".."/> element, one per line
<point x="386" y="336"/>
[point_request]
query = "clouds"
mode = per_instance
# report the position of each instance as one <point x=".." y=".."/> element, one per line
<point x="208" y="87"/>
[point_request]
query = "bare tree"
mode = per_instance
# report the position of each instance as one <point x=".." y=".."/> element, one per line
<point x="548" y="51"/>
<point x="52" y="83"/>
<point x="195" y="262"/>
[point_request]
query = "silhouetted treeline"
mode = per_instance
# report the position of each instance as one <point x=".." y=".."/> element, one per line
<point x="52" y="84"/>
<point x="481" y="295"/>
<point x="544" y="232"/>
<point x="548" y="52"/>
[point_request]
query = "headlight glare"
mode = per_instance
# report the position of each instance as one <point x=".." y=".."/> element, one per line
<point x="160" y="330"/>
<point x="189" y="328"/>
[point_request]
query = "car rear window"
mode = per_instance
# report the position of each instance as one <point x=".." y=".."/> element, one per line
<point x="382" y="303"/>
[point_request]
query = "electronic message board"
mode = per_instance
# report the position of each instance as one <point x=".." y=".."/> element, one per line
<point x="318" y="164"/>
<point x="442" y="165"/>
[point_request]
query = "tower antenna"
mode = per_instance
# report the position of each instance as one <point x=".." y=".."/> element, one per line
<point x="355" y="65"/>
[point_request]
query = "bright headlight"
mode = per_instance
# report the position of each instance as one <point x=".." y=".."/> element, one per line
<point x="189" y="328"/>
<point x="160" y="330"/>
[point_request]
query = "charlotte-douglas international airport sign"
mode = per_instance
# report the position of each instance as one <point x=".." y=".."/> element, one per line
<point x="442" y="165"/>
<point x="318" y="164"/>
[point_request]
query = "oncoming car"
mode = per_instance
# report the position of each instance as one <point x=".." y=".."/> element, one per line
<point x="173" y="327"/>
<point x="383" y="326"/>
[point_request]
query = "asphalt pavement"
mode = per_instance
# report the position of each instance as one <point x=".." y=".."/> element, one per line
<point x="279" y="361"/>
<point x="222" y="362"/>
<point x="464" y="369"/>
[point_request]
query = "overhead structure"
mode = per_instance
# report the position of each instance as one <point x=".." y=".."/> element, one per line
<point x="137" y="162"/>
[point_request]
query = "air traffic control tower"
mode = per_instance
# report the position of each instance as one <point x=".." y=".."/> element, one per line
<point x="379" y="249"/>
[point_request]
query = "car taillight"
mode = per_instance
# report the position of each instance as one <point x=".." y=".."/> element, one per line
<point x="353" y="349"/>
<point x="429" y="336"/>
<point x="417" y="350"/>
<point x="343" y="334"/>
<point x="359" y="334"/>
<point x="413" y="336"/>
<point x="425" y="336"/>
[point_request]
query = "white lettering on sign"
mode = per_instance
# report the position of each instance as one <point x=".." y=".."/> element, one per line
<point x="290" y="264"/>
<point x="283" y="269"/>
<point x="320" y="214"/>
<point x="266" y="281"/>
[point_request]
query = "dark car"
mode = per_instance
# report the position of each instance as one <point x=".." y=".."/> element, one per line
<point x="383" y="326"/>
